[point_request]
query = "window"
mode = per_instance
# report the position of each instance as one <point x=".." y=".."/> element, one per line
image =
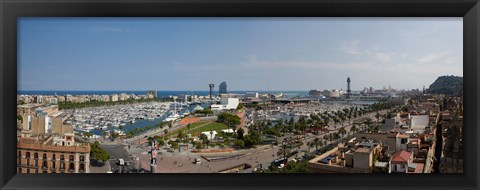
<point x="403" y="141"/>
<point x="44" y="164"/>
<point x="44" y="156"/>
<point x="62" y="165"/>
<point x="82" y="167"/>
<point x="28" y="171"/>
<point x="54" y="165"/>
<point x="35" y="155"/>
<point x="71" y="167"/>
<point x="19" y="157"/>
<point x="28" y="158"/>
<point x="82" y="158"/>
<point x="70" y="158"/>
<point x="62" y="157"/>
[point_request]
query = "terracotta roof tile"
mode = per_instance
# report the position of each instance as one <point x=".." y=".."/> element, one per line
<point x="401" y="156"/>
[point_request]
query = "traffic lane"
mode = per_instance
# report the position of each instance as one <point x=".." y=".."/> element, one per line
<point x="116" y="152"/>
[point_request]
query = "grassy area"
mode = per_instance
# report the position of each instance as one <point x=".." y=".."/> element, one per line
<point x="210" y="127"/>
<point x="185" y="129"/>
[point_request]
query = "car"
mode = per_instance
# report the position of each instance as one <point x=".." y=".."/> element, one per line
<point x="121" y="162"/>
<point x="198" y="161"/>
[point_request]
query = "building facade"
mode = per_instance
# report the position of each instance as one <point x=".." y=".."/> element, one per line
<point x="36" y="157"/>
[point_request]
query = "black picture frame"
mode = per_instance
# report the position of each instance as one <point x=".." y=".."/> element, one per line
<point x="10" y="10"/>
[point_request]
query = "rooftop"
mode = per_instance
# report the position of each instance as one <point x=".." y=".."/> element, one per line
<point x="362" y="150"/>
<point x="402" y="157"/>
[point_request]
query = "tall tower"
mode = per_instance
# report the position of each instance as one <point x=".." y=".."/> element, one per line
<point x="211" y="85"/>
<point x="153" y="158"/>
<point x="222" y="88"/>
<point x="348" y="87"/>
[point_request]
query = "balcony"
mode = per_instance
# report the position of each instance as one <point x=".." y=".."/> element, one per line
<point x="28" y="166"/>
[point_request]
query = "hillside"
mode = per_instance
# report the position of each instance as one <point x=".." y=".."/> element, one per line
<point x="448" y="85"/>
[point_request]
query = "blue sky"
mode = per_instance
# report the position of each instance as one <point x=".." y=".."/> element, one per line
<point x="248" y="53"/>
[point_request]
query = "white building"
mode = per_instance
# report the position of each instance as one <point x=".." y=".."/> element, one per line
<point x="401" y="162"/>
<point x="209" y="135"/>
<point x="53" y="101"/>
<point x="226" y="104"/>
<point x="401" y="142"/>
<point x="251" y="95"/>
<point x="418" y="123"/>
<point x="335" y="93"/>
<point x="114" y="98"/>
<point x="39" y="99"/>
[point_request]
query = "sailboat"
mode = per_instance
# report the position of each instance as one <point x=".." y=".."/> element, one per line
<point x="174" y="114"/>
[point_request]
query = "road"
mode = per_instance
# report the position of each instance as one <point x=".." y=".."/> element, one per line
<point x="116" y="152"/>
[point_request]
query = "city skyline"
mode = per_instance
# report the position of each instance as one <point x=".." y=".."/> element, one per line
<point x="268" y="54"/>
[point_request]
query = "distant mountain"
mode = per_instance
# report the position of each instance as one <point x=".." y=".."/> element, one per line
<point x="448" y="85"/>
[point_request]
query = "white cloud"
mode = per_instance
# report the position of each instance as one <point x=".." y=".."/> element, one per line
<point x="430" y="57"/>
<point x="452" y="60"/>
<point x="383" y="57"/>
<point x="351" y="48"/>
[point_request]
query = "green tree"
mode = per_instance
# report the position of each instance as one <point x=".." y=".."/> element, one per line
<point x="336" y="136"/>
<point x="353" y="129"/>
<point x="115" y="135"/>
<point x="98" y="153"/>
<point x="342" y="131"/>
<point x="88" y="134"/>
<point x="284" y="150"/>
<point x="204" y="139"/>
<point x="240" y="143"/>
<point x="317" y="142"/>
<point x="326" y="137"/>
<point x="240" y="133"/>
<point x="165" y="132"/>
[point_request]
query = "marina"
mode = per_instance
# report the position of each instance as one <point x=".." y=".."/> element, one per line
<point x="125" y="118"/>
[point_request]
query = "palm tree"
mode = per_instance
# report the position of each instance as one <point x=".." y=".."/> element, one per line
<point x="342" y="131"/>
<point x="367" y="123"/>
<point x="204" y="139"/>
<point x="165" y="132"/>
<point x="336" y="136"/>
<point x="377" y="116"/>
<point x="326" y="137"/>
<point x="330" y="138"/>
<point x="317" y="142"/>
<point x="188" y="127"/>
<point x="284" y="150"/>
<point x="310" y="145"/>
<point x="353" y="129"/>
